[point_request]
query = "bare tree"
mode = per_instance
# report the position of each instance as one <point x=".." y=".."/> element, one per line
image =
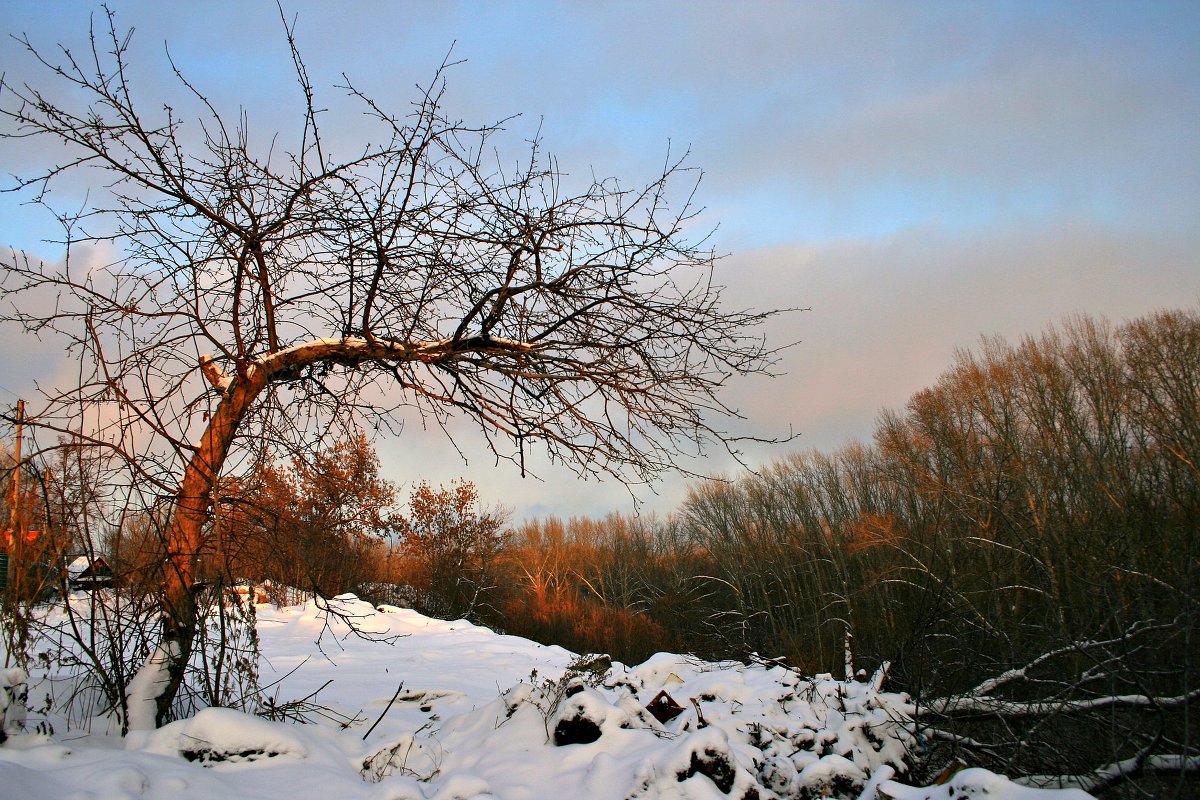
<point x="260" y="295"/>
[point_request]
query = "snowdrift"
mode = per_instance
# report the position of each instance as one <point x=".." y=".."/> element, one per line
<point x="426" y="709"/>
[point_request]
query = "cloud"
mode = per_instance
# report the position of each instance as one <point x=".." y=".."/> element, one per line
<point x="886" y="317"/>
<point x="887" y="314"/>
<point x="917" y="174"/>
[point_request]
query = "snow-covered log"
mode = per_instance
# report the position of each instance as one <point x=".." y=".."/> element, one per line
<point x="1106" y="777"/>
<point x="967" y="707"/>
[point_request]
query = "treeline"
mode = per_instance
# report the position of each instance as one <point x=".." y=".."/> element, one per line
<point x="1021" y="543"/>
<point x="1039" y="492"/>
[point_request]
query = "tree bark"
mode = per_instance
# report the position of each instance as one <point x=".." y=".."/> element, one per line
<point x="185" y="531"/>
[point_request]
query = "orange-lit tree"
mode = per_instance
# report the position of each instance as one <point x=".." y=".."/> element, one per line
<point x="318" y="525"/>
<point x="452" y="546"/>
<point x="270" y="289"/>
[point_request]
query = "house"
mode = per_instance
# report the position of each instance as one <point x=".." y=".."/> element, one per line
<point x="85" y="573"/>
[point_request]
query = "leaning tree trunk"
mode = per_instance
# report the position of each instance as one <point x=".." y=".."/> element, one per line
<point x="193" y="503"/>
<point x="185" y="531"/>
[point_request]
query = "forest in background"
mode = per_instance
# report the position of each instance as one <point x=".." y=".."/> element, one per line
<point x="1019" y="544"/>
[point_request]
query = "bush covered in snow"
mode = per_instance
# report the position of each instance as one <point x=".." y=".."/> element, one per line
<point x="14" y="692"/>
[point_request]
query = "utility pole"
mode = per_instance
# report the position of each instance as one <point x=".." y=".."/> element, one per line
<point x="15" y="534"/>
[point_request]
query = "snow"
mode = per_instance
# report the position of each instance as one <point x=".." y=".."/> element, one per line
<point x="143" y="690"/>
<point x="13" y="694"/>
<point x="970" y="783"/>
<point x="423" y="709"/>
<point x="78" y="566"/>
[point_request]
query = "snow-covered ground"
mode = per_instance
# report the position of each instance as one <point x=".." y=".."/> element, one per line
<point x="425" y="709"/>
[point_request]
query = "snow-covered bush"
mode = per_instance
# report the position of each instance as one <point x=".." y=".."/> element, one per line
<point x="14" y="694"/>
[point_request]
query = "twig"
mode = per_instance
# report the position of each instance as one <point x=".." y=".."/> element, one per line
<point x="399" y="689"/>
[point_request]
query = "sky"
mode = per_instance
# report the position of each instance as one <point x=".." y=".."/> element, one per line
<point x="916" y="175"/>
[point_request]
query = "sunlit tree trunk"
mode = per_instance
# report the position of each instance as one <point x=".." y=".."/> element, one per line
<point x="186" y="530"/>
